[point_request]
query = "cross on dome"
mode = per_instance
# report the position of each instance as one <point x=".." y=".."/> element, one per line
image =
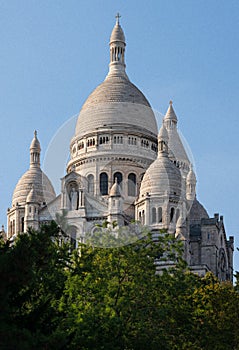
<point x="117" y="18"/>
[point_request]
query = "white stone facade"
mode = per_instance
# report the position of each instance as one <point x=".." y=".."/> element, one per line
<point x="121" y="169"/>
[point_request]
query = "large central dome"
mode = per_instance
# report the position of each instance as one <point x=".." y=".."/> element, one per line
<point x="116" y="101"/>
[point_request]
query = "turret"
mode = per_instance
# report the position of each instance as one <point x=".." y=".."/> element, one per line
<point x="32" y="210"/>
<point x="160" y="201"/>
<point x="162" y="142"/>
<point x="115" y="207"/>
<point x="191" y="184"/>
<point x="177" y="152"/>
<point x="170" y="119"/>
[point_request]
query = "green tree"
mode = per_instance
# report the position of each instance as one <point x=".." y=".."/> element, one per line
<point x="33" y="276"/>
<point x="114" y="298"/>
<point x="216" y="314"/>
<point x="110" y="298"/>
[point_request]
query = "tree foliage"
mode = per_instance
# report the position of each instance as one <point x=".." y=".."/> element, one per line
<point x="110" y="298"/>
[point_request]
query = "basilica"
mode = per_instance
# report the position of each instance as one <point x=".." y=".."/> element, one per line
<point x="124" y="167"/>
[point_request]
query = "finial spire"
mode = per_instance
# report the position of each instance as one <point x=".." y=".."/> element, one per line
<point x="170" y="102"/>
<point x="117" y="18"/>
<point x="35" y="134"/>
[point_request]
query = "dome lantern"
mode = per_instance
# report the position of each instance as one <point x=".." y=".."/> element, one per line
<point x="35" y="152"/>
<point x="117" y="49"/>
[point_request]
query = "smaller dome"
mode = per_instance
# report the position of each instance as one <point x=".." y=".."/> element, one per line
<point x="35" y="144"/>
<point x="34" y="185"/>
<point x="161" y="177"/>
<point x="43" y="189"/>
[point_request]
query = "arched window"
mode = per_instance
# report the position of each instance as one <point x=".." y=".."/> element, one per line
<point x="153" y="218"/>
<point x="160" y="215"/>
<point x="90" y="179"/>
<point x="119" y="177"/>
<point x="171" y="214"/>
<point x="103" y="139"/>
<point x="103" y="184"/>
<point x="132" y="185"/>
<point x="90" y="142"/>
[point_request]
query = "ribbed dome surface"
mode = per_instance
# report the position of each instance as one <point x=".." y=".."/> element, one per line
<point x="43" y="189"/>
<point x="117" y="34"/>
<point x="115" y="89"/>
<point x="115" y="102"/>
<point x="161" y="177"/>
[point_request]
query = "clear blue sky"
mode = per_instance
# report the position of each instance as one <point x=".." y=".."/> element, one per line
<point x="54" y="53"/>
